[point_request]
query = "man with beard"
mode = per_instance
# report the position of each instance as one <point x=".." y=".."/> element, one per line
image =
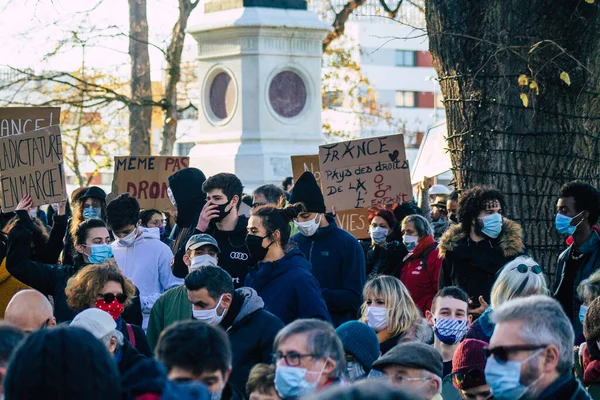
<point x="475" y="250"/>
<point x="531" y="352"/>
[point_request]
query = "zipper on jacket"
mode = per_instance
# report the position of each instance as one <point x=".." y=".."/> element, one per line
<point x="312" y="243"/>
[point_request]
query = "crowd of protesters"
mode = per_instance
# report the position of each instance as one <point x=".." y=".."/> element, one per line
<point x="104" y="300"/>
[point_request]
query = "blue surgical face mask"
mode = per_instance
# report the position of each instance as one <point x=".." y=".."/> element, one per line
<point x="378" y="234"/>
<point x="290" y="382"/>
<point x="492" y="225"/>
<point x="563" y="224"/>
<point x="504" y="378"/>
<point x="101" y="253"/>
<point x="582" y="311"/>
<point x="162" y="230"/>
<point x="92" y="213"/>
<point x="450" y="331"/>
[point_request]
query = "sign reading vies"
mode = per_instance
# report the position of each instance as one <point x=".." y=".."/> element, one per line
<point x="32" y="163"/>
<point x="146" y="179"/>
<point x="356" y="220"/>
<point x="365" y="172"/>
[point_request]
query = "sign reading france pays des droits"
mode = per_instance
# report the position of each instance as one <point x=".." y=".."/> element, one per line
<point x="18" y="120"/>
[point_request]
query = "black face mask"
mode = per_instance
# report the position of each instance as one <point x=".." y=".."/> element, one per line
<point x="254" y="245"/>
<point x="222" y="213"/>
<point x="453" y="218"/>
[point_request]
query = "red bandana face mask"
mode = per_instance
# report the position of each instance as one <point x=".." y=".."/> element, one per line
<point x="115" y="309"/>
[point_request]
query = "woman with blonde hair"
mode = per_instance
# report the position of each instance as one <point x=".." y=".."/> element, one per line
<point x="104" y="286"/>
<point x="522" y="277"/>
<point x="389" y="310"/>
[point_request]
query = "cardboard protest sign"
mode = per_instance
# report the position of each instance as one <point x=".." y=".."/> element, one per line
<point x="355" y="221"/>
<point x="32" y="163"/>
<point x="365" y="172"/>
<point x="18" y="120"/>
<point x="147" y="179"/>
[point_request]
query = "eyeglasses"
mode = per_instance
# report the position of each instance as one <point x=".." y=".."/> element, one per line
<point x="469" y="379"/>
<point x="522" y="268"/>
<point x="292" y="359"/>
<point x="501" y="353"/>
<point x="256" y="205"/>
<point x="109" y="297"/>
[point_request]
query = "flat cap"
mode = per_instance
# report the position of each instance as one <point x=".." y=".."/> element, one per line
<point x="414" y="355"/>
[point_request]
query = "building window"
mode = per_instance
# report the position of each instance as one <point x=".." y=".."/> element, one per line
<point x="183" y="149"/>
<point x="406" y="58"/>
<point x="406" y="99"/>
<point x="333" y="99"/>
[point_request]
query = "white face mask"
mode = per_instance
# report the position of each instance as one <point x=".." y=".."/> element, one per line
<point x="308" y="228"/>
<point x="171" y="197"/>
<point x="377" y="318"/>
<point x="202" y="261"/>
<point x="209" y="317"/>
<point x="129" y="239"/>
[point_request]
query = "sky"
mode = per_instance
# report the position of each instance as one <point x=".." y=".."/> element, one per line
<point x="29" y="29"/>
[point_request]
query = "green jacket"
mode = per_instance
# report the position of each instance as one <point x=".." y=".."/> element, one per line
<point x="171" y="307"/>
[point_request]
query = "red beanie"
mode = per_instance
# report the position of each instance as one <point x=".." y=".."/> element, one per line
<point x="469" y="356"/>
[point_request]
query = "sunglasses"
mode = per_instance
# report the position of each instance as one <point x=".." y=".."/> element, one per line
<point x="471" y="378"/>
<point x="501" y="353"/>
<point x="522" y="268"/>
<point x="109" y="298"/>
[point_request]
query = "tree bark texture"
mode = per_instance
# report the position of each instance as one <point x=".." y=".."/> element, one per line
<point x="140" y="117"/>
<point x="480" y="49"/>
<point x="173" y="56"/>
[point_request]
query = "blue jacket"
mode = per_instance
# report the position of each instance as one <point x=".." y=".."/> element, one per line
<point x="338" y="263"/>
<point x="288" y="289"/>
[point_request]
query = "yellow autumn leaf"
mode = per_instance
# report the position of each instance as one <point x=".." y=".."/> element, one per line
<point x="534" y="86"/>
<point x="590" y="1"/>
<point x="565" y="78"/>
<point x="523" y="81"/>
<point x="524" y="99"/>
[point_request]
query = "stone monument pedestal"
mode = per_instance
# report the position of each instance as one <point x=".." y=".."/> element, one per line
<point x="260" y="73"/>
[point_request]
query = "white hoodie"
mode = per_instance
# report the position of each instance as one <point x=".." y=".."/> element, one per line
<point x="147" y="262"/>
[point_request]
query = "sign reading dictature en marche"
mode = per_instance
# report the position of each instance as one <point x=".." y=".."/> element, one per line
<point x="356" y="220"/>
<point x="365" y="172"/>
<point x="147" y="179"/>
<point x="31" y="163"/>
<point x="18" y="120"/>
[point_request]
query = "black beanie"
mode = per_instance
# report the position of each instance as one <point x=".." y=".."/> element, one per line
<point x="307" y="191"/>
<point x="62" y="363"/>
<point x="186" y="185"/>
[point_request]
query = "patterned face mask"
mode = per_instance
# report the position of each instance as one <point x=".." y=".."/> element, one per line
<point x="450" y="331"/>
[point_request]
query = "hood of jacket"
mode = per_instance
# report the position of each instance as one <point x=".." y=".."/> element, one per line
<point x="148" y="233"/>
<point x="510" y="240"/>
<point x="252" y="302"/>
<point x="186" y="185"/>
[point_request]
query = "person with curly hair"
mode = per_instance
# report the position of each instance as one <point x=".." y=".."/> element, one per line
<point x="104" y="286"/>
<point x="578" y="209"/>
<point x="474" y="250"/>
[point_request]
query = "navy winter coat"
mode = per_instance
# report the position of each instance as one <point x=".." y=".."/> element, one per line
<point x="288" y="288"/>
<point x="338" y="263"/>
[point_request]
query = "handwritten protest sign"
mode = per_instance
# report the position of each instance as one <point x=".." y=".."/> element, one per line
<point x="355" y="221"/>
<point x="147" y="179"/>
<point x="365" y="172"/>
<point x="18" y="120"/>
<point x="32" y="163"/>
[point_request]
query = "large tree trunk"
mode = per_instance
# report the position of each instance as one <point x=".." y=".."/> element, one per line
<point x="174" y="70"/>
<point x="140" y="111"/>
<point x="480" y="49"/>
